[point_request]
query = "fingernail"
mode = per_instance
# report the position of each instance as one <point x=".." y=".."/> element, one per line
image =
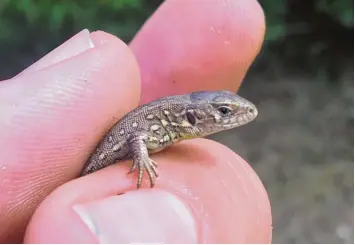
<point x="72" y="47"/>
<point x="144" y="216"/>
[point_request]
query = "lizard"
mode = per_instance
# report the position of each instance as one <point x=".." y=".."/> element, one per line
<point x="154" y="126"/>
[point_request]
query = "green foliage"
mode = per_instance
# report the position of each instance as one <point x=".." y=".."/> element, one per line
<point x="79" y="14"/>
<point x="279" y="11"/>
<point x="314" y="35"/>
<point x="342" y="11"/>
<point x="275" y="12"/>
<point x="30" y="28"/>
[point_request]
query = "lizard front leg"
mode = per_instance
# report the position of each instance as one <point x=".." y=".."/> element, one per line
<point x="141" y="159"/>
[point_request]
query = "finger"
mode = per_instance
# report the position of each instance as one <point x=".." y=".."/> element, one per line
<point x="52" y="118"/>
<point x="206" y="194"/>
<point x="72" y="47"/>
<point x="187" y="46"/>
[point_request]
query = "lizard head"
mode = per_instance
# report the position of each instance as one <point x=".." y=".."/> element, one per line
<point x="216" y="111"/>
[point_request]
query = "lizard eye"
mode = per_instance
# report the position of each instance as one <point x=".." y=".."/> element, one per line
<point x="224" y="110"/>
<point x="191" y="118"/>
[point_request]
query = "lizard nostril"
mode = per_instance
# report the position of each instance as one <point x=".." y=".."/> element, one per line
<point x="251" y="110"/>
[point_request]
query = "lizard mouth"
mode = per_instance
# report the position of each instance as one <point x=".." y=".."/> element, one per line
<point x="240" y="119"/>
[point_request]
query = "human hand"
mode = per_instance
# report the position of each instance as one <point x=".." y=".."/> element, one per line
<point x="55" y="111"/>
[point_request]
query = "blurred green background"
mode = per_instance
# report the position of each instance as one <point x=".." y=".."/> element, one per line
<point x="301" y="145"/>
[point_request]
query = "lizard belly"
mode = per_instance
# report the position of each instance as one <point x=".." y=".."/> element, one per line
<point x="156" y="144"/>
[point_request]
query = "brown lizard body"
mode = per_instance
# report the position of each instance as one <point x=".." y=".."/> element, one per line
<point x="152" y="127"/>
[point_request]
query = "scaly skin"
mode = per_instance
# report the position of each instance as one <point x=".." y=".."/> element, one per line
<point x="153" y="127"/>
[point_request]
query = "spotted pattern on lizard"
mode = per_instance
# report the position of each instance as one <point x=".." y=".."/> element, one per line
<point x="153" y="127"/>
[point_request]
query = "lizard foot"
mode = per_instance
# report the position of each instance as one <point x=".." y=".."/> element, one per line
<point x="148" y="165"/>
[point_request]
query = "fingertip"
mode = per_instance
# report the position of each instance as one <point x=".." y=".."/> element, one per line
<point x="147" y="215"/>
<point x="101" y="37"/>
<point x="53" y="118"/>
<point x="210" y="48"/>
<point x="59" y="227"/>
<point x="227" y="197"/>
<point x="205" y="191"/>
<point x="70" y="48"/>
<point x="75" y="45"/>
<point x="86" y="93"/>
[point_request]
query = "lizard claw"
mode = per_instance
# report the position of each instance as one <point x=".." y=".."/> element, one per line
<point x="147" y="165"/>
<point x="154" y="164"/>
<point x="133" y="168"/>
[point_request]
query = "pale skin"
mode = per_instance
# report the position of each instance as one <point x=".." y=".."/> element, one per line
<point x="46" y="149"/>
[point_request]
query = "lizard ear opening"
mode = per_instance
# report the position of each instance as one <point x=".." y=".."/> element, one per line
<point x="191" y="118"/>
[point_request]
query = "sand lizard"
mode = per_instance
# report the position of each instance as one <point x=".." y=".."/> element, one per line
<point x="156" y="125"/>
